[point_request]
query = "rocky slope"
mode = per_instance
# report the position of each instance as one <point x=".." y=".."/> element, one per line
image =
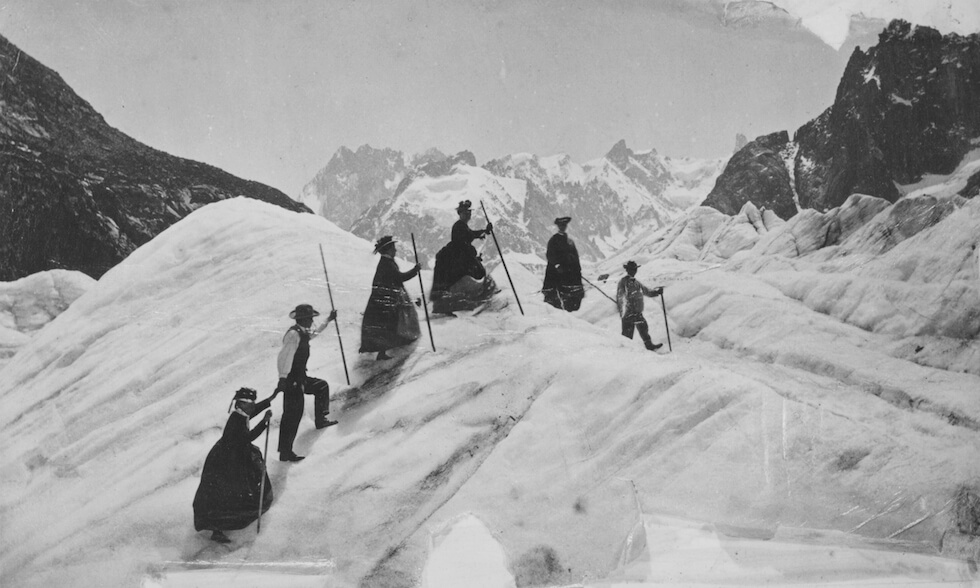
<point x="79" y="194"/>
<point x="907" y="108"/>
<point x="354" y="181"/>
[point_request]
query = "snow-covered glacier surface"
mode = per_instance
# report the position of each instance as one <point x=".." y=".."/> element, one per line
<point x="772" y="440"/>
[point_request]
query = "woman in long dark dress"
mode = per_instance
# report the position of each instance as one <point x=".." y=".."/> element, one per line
<point x="562" y="286"/>
<point x="390" y="318"/>
<point x="228" y="497"/>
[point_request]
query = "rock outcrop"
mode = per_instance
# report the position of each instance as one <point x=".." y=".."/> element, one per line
<point x="76" y="193"/>
<point x="908" y="107"/>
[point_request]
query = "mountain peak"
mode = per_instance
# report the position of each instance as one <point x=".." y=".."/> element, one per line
<point x="620" y="153"/>
<point x="430" y="155"/>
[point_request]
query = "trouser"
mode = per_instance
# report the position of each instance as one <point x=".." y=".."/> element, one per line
<point x="640" y="323"/>
<point x="292" y="408"/>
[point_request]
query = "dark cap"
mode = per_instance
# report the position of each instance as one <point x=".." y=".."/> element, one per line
<point x="303" y="311"/>
<point x="464" y="206"/>
<point x="631" y="266"/>
<point x="563" y="220"/>
<point x="245" y="394"/>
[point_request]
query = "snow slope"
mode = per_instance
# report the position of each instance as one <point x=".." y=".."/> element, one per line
<point x="583" y="457"/>
<point x="27" y="304"/>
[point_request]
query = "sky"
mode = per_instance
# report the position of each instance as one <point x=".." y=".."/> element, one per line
<point x="270" y="90"/>
<point x="808" y="421"/>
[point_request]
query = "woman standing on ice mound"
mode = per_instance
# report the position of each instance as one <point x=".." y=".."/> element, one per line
<point x="234" y="472"/>
<point x="390" y="318"/>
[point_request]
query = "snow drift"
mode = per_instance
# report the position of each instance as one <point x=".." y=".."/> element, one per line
<point x="27" y="304"/>
<point x="558" y="435"/>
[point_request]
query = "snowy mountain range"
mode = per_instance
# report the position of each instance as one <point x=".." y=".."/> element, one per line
<point x="78" y="194"/>
<point x="609" y="199"/>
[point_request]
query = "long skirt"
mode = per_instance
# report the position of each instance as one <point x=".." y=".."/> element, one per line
<point x="390" y="320"/>
<point x="228" y="496"/>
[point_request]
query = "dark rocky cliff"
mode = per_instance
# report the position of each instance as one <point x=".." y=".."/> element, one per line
<point x="757" y="173"/>
<point x="907" y="107"/>
<point x="78" y="194"/>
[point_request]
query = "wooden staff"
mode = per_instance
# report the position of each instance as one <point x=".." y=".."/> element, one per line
<point x="335" y="322"/>
<point x="666" y="326"/>
<point x="502" y="260"/>
<point x="425" y="306"/>
<point x="258" y="525"/>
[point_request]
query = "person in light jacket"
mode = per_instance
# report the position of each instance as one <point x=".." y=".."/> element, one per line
<point x="629" y="300"/>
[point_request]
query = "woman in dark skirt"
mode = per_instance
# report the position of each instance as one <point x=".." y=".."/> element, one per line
<point x="228" y="497"/>
<point x="390" y="318"/>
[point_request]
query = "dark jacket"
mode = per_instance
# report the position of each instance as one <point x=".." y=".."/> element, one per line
<point x="563" y="264"/>
<point x="462" y="233"/>
<point x="297" y="371"/>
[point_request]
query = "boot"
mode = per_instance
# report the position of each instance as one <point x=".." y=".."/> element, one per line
<point x="325" y="422"/>
<point x="219" y="537"/>
<point x="321" y="404"/>
<point x="653" y="346"/>
<point x="291" y="457"/>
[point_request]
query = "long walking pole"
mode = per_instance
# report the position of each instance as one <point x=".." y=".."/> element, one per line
<point x="599" y="289"/>
<point x="335" y="323"/>
<point x="258" y="525"/>
<point x="502" y="260"/>
<point x="425" y="305"/>
<point x="666" y="326"/>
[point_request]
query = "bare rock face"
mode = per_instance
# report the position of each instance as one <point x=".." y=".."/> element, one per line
<point x="757" y="173"/>
<point x="77" y="193"/>
<point x="354" y="181"/>
<point x="907" y="107"/>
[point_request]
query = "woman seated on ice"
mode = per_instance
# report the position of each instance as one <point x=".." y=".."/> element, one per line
<point x="459" y="280"/>
<point x="234" y="472"/>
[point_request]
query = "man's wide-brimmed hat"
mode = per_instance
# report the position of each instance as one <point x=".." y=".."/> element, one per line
<point x="384" y="242"/>
<point x="464" y="205"/>
<point x="563" y="220"/>
<point x="303" y="311"/>
<point x="631" y="265"/>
